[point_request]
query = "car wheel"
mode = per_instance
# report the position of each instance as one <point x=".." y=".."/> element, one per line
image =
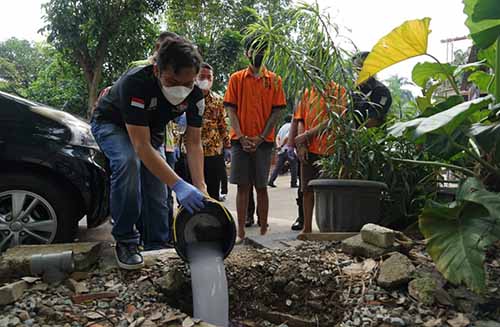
<point x="34" y="210"/>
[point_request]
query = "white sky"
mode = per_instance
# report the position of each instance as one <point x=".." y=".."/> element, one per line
<point x="368" y="21"/>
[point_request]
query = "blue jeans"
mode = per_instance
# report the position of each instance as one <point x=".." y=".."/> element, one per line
<point x="138" y="198"/>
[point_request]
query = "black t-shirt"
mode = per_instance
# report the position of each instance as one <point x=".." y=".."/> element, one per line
<point x="136" y="99"/>
<point x="372" y="99"/>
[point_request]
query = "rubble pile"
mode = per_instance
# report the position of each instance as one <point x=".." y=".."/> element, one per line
<point x="304" y="284"/>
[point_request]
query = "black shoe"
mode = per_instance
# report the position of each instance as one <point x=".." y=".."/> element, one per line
<point x="294" y="185"/>
<point x="298" y="224"/>
<point x="249" y="222"/>
<point x="271" y="184"/>
<point x="128" y="256"/>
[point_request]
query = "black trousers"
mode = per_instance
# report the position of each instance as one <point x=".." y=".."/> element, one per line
<point x="215" y="170"/>
<point x="300" y="196"/>
<point x="223" y="182"/>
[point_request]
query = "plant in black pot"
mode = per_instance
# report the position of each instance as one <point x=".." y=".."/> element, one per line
<point x="367" y="179"/>
<point x="349" y="192"/>
<point x="307" y="55"/>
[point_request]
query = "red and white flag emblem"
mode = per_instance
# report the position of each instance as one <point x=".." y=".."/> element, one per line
<point x="136" y="102"/>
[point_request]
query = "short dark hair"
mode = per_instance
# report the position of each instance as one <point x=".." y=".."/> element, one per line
<point x="166" y="34"/>
<point x="178" y="53"/>
<point x="207" y="66"/>
<point x="252" y="43"/>
<point x="288" y="118"/>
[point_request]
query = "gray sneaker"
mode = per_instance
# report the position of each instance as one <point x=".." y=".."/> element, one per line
<point x="128" y="256"/>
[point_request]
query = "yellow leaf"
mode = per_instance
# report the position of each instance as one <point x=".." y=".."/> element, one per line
<point x="406" y="41"/>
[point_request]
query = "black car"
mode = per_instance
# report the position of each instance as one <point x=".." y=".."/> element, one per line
<point x="52" y="174"/>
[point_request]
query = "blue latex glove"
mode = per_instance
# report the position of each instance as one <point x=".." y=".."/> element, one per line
<point x="227" y="155"/>
<point x="189" y="196"/>
<point x="290" y="152"/>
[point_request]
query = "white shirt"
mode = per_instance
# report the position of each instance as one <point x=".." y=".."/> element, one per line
<point x="282" y="135"/>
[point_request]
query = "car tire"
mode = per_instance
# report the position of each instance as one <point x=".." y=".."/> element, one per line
<point x="52" y="198"/>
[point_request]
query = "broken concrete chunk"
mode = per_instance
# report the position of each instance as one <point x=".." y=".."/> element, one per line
<point x="172" y="281"/>
<point x="77" y="287"/>
<point x="356" y="247"/>
<point x="378" y="235"/>
<point x="10" y="293"/>
<point x="395" y="271"/>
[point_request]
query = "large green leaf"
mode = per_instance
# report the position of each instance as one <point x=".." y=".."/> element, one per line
<point x="458" y="233"/>
<point x="443" y="105"/>
<point x="472" y="67"/>
<point x="447" y="121"/>
<point x="484" y="26"/>
<point x="486" y="9"/>
<point x="472" y="190"/>
<point x="400" y="128"/>
<point x="487" y="137"/>
<point x="489" y="55"/>
<point x="423" y="72"/>
<point x="443" y="123"/>
<point x="484" y="81"/>
<point x="443" y="145"/>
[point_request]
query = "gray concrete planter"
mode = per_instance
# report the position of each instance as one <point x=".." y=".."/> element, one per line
<point x="343" y="205"/>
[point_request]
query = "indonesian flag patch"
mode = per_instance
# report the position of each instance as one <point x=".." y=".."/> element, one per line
<point x="138" y="103"/>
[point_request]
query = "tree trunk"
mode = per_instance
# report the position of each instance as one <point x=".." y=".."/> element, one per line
<point x="92" y="88"/>
<point x="95" y="78"/>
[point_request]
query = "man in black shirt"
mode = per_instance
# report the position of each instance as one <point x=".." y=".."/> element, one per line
<point x="372" y="100"/>
<point x="129" y="126"/>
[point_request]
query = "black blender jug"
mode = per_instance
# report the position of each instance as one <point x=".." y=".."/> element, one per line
<point x="212" y="225"/>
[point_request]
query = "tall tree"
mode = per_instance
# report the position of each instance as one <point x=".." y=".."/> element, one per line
<point x="102" y="36"/>
<point x="217" y="28"/>
<point x="20" y="61"/>
<point x="59" y="84"/>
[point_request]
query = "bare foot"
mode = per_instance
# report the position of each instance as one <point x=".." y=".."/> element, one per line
<point x="303" y="235"/>
<point x="241" y="233"/>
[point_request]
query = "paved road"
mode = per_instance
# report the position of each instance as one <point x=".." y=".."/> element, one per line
<point x="282" y="212"/>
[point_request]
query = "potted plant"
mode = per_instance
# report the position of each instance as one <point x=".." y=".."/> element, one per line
<point x="306" y="55"/>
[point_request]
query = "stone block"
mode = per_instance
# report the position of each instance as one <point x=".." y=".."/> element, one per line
<point x="356" y="247"/>
<point x="378" y="235"/>
<point x="12" y="292"/>
<point x="395" y="271"/>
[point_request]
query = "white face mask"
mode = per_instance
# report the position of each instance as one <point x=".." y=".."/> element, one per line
<point x="204" y="84"/>
<point x="176" y="94"/>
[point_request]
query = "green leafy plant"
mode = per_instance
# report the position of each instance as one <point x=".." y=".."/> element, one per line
<point x="459" y="233"/>
<point x="370" y="154"/>
<point x="461" y="137"/>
